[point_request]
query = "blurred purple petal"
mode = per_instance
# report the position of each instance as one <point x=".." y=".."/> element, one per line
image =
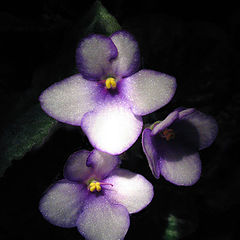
<point x="185" y="111"/>
<point x="150" y="152"/>
<point x="68" y="100"/>
<point x="94" y="56"/>
<point x="180" y="167"/>
<point x="205" y="125"/>
<point x="129" y="189"/>
<point x="112" y="127"/>
<point x="102" y="163"/>
<point x="128" y="60"/>
<point x="165" y="123"/>
<point x="148" y="90"/>
<point x="101" y="220"/>
<point x="185" y="135"/>
<point x="75" y="168"/>
<point x="62" y="203"/>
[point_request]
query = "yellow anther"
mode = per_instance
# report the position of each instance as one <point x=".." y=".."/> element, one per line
<point x="92" y="189"/>
<point x="110" y="83"/>
<point x="113" y="83"/>
<point x="98" y="188"/>
<point x="94" y="186"/>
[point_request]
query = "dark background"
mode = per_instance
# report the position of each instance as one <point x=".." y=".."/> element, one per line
<point x="196" y="43"/>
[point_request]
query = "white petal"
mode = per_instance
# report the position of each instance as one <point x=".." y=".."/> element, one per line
<point x="112" y="127"/>
<point x="62" y="203"/>
<point x="102" y="163"/>
<point x="181" y="169"/>
<point x="75" y="168"/>
<point x="148" y="90"/>
<point x="101" y="220"/>
<point x="129" y="189"/>
<point x="94" y="55"/>
<point x="68" y="100"/>
<point x="128" y="59"/>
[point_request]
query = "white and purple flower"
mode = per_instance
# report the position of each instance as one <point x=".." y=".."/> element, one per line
<point x="96" y="196"/>
<point x="171" y="146"/>
<point x="108" y="96"/>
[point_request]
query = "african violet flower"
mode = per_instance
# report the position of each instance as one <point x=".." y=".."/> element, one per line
<point x="96" y="196"/>
<point x="108" y="97"/>
<point x="171" y="146"/>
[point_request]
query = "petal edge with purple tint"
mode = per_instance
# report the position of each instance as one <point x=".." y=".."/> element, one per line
<point x="128" y="60"/>
<point x="112" y="127"/>
<point x="182" y="171"/>
<point x="185" y="112"/>
<point x="150" y="152"/>
<point x="129" y="189"/>
<point x="206" y="127"/>
<point x="101" y="220"/>
<point x="94" y="56"/>
<point x="62" y="203"/>
<point x="75" y="168"/>
<point x="148" y="90"/>
<point x="68" y="100"/>
<point x="165" y="123"/>
<point x="102" y="163"/>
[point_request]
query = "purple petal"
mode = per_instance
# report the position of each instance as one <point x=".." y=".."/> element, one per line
<point x="68" y="100"/>
<point x="75" y="168"/>
<point x="165" y="123"/>
<point x="112" y="127"/>
<point x="94" y="55"/>
<point x="128" y="59"/>
<point x="148" y="90"/>
<point x="150" y="152"/>
<point x="185" y="112"/>
<point x="180" y="166"/>
<point x="101" y="220"/>
<point x="129" y="189"/>
<point x="185" y="135"/>
<point x="62" y="203"/>
<point x="205" y="125"/>
<point x="102" y="163"/>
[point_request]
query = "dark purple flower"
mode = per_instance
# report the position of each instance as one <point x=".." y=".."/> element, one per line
<point x="96" y="196"/>
<point x="109" y="96"/>
<point x="171" y="146"/>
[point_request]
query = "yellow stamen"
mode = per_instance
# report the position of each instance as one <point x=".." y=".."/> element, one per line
<point x="94" y="185"/>
<point x="98" y="187"/>
<point x="168" y="134"/>
<point x="110" y="83"/>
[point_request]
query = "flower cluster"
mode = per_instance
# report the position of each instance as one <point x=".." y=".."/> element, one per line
<point x="108" y="98"/>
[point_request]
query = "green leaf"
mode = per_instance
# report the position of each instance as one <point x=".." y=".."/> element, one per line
<point x="30" y="128"/>
<point x="171" y="232"/>
<point x="26" y="132"/>
<point x="178" y="227"/>
<point x="101" y="21"/>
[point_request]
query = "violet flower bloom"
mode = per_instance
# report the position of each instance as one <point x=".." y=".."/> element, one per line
<point x="171" y="146"/>
<point x="96" y="196"/>
<point x="107" y="98"/>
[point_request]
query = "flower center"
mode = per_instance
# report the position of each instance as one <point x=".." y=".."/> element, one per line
<point x="96" y="186"/>
<point x="168" y="134"/>
<point x="110" y="83"/>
